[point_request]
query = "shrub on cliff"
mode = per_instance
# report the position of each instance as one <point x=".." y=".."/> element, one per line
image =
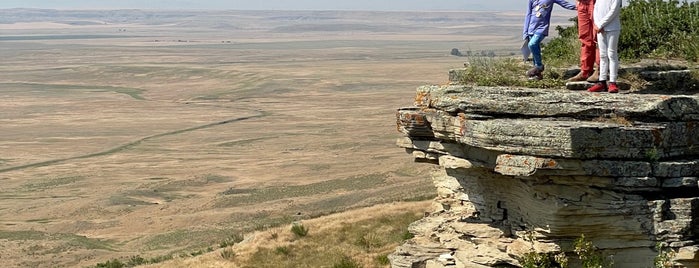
<point x="565" y="48"/>
<point x="667" y="29"/>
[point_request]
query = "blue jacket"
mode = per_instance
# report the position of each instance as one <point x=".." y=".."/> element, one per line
<point x="538" y="17"/>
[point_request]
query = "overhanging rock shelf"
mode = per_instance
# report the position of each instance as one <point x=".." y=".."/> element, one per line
<point x="525" y="170"/>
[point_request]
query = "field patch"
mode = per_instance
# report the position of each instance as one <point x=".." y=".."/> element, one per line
<point x="134" y="93"/>
<point x="261" y="195"/>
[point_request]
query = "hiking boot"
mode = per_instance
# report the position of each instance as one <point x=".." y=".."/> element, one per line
<point x="538" y="76"/>
<point x="532" y="71"/>
<point x="536" y="73"/>
<point x="594" y="77"/>
<point x="581" y="76"/>
<point x="598" y="87"/>
<point x="613" y="88"/>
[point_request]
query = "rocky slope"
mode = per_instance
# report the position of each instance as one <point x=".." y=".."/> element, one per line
<point x="528" y="170"/>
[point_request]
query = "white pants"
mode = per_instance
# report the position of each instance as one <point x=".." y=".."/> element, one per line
<point x="608" y="56"/>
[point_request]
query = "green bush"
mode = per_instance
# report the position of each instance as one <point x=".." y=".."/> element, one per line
<point x="136" y="261"/>
<point x="370" y="241"/>
<point x="228" y="254"/>
<point x="565" y="48"/>
<point x="347" y="262"/>
<point x="590" y="256"/>
<point x="299" y="230"/>
<point x="231" y="240"/>
<point x="658" y="28"/>
<point x="111" y="264"/>
<point x="133" y="261"/>
<point x="664" y="257"/>
<point x="543" y="260"/>
<point x="533" y="259"/>
<point x="407" y="235"/>
<point x="383" y="260"/>
<point x="283" y="250"/>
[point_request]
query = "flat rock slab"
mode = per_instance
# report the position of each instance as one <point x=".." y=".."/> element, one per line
<point x="556" y="123"/>
<point x="504" y="102"/>
<point x="565" y="138"/>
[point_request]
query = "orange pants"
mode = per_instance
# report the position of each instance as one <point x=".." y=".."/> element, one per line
<point x="589" y="54"/>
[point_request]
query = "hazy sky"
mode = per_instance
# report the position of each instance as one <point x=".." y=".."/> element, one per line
<point x="457" y="5"/>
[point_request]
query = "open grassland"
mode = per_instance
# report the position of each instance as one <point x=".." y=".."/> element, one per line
<point x="165" y="137"/>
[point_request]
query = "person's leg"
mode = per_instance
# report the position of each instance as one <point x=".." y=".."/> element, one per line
<point x="601" y="85"/>
<point x="603" y="43"/>
<point x="536" y="72"/>
<point x="612" y="55"/>
<point x="612" y="41"/>
<point x="595" y="75"/>
<point x="586" y="34"/>
<point x="535" y="48"/>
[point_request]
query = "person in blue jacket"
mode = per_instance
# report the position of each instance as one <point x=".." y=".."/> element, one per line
<point x="536" y="27"/>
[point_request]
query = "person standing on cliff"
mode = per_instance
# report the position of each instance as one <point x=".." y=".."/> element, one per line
<point x="589" y="55"/>
<point x="536" y="28"/>
<point x="607" y="18"/>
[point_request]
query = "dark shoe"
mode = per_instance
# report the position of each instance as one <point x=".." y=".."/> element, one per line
<point x="598" y="87"/>
<point x="613" y="88"/>
<point x="581" y="76"/>
<point x="536" y="73"/>
<point x="532" y="71"/>
<point x="537" y="77"/>
<point x="594" y="77"/>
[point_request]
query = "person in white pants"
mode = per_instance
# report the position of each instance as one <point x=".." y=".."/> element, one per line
<point x="607" y="19"/>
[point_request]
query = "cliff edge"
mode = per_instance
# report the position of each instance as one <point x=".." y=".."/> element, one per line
<point x="527" y="170"/>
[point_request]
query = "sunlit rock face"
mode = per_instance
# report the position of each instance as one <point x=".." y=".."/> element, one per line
<point x="527" y="170"/>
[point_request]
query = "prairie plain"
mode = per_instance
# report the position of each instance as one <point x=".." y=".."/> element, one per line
<point x="155" y="133"/>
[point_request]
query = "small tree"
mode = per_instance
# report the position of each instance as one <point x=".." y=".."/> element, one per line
<point x="590" y="255"/>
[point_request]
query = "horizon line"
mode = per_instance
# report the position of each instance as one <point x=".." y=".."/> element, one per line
<point x="212" y="9"/>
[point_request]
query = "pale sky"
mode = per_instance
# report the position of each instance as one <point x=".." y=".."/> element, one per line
<point x="380" y="5"/>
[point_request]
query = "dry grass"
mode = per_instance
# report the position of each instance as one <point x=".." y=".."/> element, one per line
<point x="330" y="238"/>
<point x="635" y="81"/>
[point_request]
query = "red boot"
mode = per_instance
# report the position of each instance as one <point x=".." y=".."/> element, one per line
<point x="598" y="87"/>
<point x="613" y="88"/>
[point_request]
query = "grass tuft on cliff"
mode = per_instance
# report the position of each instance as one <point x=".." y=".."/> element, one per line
<point x="492" y="71"/>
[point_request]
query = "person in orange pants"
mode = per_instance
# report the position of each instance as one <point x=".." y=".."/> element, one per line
<point x="589" y="54"/>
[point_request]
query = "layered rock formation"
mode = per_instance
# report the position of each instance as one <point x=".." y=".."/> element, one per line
<point x="526" y="170"/>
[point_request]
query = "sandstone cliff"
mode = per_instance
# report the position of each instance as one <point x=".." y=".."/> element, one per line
<point x="524" y="170"/>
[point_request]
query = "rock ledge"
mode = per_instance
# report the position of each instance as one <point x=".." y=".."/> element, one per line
<point x="525" y="170"/>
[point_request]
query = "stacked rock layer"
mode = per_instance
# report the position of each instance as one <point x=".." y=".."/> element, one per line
<point x="527" y="170"/>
